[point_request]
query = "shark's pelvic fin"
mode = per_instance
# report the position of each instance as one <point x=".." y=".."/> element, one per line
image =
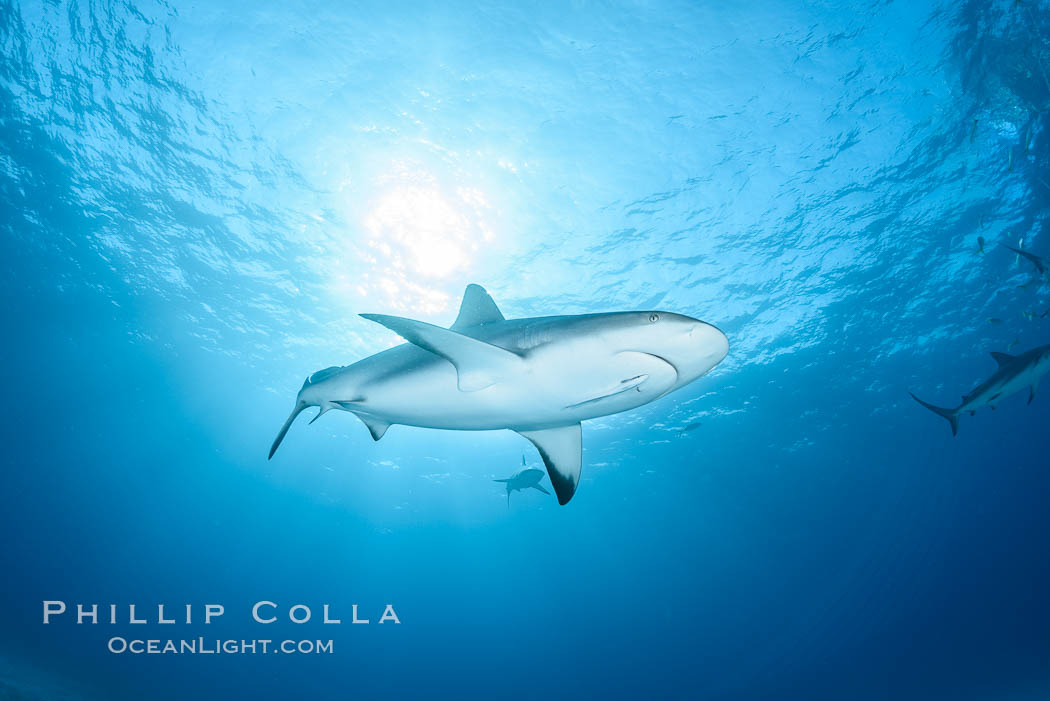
<point x="562" y="452"/>
<point x="478" y="364"/>
<point x="540" y="487"/>
<point x="950" y="414"/>
<point x="1002" y="358"/>
<point x="1031" y="391"/>
<point x="477" y="309"/>
<point x="375" y="426"/>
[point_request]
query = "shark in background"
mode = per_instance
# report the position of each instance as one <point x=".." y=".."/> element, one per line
<point x="525" y="478"/>
<point x="1038" y="261"/>
<point x="1014" y="374"/>
<point x="538" y="376"/>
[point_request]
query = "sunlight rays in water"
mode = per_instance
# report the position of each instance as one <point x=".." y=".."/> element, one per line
<point x="417" y="243"/>
<point x="422" y="232"/>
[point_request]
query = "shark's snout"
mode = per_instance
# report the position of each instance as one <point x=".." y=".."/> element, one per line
<point x="714" y="343"/>
<point x="704" y="348"/>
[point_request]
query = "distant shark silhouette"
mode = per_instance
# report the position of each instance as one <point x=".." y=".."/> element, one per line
<point x="540" y="376"/>
<point x="1039" y="262"/>
<point x="525" y="478"/>
<point x="1015" y="373"/>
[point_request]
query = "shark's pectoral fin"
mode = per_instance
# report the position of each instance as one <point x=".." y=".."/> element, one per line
<point x="478" y="364"/>
<point x="562" y="452"/>
<point x="541" y="488"/>
<point x="1002" y="358"/>
<point x="1031" y="393"/>
<point x="377" y="427"/>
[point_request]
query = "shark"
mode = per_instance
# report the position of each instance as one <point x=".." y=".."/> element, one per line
<point x="1014" y="374"/>
<point x="1039" y="262"/>
<point x="538" y="376"/>
<point x="525" y="478"/>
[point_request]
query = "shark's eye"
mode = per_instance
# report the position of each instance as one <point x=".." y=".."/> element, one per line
<point x="654" y="317"/>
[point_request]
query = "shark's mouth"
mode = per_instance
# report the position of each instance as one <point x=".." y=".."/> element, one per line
<point x="637" y="382"/>
<point x="674" y="381"/>
<point x="665" y="361"/>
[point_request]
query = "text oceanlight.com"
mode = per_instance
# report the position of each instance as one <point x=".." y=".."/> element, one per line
<point x="201" y="646"/>
<point x="261" y="613"/>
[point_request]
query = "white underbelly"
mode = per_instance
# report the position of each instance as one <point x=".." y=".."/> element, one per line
<point x="545" y="395"/>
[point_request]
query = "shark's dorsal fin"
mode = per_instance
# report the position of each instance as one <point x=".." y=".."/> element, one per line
<point x="478" y="364"/>
<point x="377" y="427"/>
<point x="476" y="309"/>
<point x="562" y="452"/>
<point x="1003" y="358"/>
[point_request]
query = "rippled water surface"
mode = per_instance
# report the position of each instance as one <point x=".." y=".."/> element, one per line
<point x="198" y="199"/>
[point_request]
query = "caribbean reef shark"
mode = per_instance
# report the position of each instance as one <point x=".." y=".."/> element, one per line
<point x="525" y="478"/>
<point x="1015" y="373"/>
<point x="539" y="376"/>
<point x="1039" y="262"/>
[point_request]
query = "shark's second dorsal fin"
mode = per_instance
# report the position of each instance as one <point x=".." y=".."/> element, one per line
<point x="476" y="309"/>
<point x="562" y="452"/>
<point x="1003" y="358"/>
<point x="478" y="364"/>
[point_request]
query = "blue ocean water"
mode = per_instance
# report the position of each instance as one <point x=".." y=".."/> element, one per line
<point x="197" y="199"/>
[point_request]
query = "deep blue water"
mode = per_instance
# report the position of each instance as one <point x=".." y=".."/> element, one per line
<point x="197" y="199"/>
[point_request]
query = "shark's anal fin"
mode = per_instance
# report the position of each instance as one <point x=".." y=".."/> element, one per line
<point x="377" y="427"/>
<point x="562" y="452"/>
<point x="478" y="364"/>
<point x="477" y="309"/>
<point x="1003" y="358"/>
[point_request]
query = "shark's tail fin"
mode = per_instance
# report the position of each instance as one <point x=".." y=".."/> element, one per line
<point x="299" y="407"/>
<point x="951" y="414"/>
<point x="507" y="482"/>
